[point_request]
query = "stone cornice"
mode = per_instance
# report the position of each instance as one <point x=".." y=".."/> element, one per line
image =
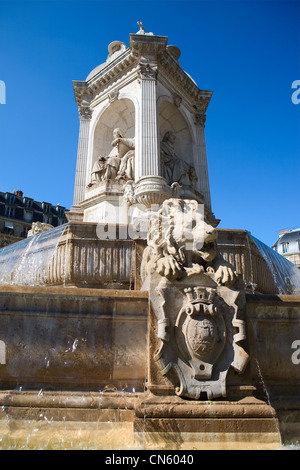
<point x="146" y="46"/>
<point x="182" y="98"/>
<point x="145" y="53"/>
<point x="169" y="67"/>
<point x="87" y="90"/>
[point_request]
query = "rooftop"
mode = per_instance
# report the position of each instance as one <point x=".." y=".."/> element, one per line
<point x="288" y="241"/>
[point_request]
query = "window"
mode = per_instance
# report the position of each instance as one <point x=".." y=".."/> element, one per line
<point x="285" y="247"/>
<point x="28" y="203"/>
<point x="24" y="233"/>
<point x="298" y="245"/>
<point x="28" y="215"/>
<point x="9" y="211"/>
<point x="8" y="228"/>
<point x="47" y="208"/>
<point x="47" y="219"/>
<point x="10" y="198"/>
<point x="60" y="211"/>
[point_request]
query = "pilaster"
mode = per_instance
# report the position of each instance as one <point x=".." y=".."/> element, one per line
<point x="85" y="114"/>
<point x="148" y="164"/>
<point x="150" y="187"/>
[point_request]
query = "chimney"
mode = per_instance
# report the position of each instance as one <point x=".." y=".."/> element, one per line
<point x="19" y="193"/>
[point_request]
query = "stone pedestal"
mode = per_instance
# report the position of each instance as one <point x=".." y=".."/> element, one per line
<point x="151" y="191"/>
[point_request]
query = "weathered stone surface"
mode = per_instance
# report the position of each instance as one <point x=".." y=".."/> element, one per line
<point x="177" y="424"/>
<point x="73" y="339"/>
<point x="273" y="326"/>
<point x="62" y="315"/>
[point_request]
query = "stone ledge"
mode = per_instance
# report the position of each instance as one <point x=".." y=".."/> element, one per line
<point x="68" y="406"/>
<point x="177" y="408"/>
<point x="73" y="292"/>
<point x="205" y="425"/>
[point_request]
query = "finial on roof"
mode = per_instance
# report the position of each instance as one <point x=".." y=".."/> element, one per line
<point x="142" y="28"/>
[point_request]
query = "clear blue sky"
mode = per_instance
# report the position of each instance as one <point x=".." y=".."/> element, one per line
<point x="247" y="52"/>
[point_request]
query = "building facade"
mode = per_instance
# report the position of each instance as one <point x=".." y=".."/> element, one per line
<point x="288" y="245"/>
<point x="18" y="212"/>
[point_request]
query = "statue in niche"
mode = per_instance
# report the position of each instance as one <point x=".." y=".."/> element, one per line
<point x="174" y="169"/>
<point x="119" y="164"/>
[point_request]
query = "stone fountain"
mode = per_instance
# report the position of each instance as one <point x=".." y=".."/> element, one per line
<point x="140" y="324"/>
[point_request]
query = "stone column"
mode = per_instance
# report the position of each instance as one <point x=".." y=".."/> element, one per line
<point x="85" y="114"/>
<point x="150" y="188"/>
<point x="201" y="164"/>
<point x="148" y="164"/>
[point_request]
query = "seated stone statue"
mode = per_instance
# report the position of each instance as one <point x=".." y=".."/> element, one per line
<point x="126" y="152"/>
<point x="173" y="168"/>
<point x="99" y="170"/>
<point x="119" y="164"/>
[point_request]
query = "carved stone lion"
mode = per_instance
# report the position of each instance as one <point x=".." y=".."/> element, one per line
<point x="38" y="227"/>
<point x="181" y="243"/>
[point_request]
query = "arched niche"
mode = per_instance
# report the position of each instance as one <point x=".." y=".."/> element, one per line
<point x="119" y="114"/>
<point x="171" y="119"/>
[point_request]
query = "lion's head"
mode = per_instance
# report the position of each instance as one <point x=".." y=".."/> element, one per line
<point x="178" y="238"/>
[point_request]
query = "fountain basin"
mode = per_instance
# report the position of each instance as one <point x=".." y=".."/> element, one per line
<point x="76" y="361"/>
<point x="72" y="338"/>
<point x="78" y="338"/>
<point x="90" y="255"/>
